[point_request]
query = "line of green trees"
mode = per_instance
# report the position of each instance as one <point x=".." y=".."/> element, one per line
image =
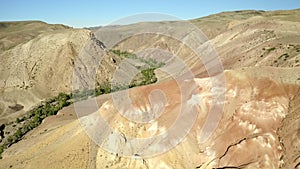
<point x="35" y="117"/>
<point x="152" y="63"/>
<point x="52" y="105"/>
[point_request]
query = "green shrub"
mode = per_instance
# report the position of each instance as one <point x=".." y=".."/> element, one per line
<point x="10" y="140"/>
<point x="18" y="133"/>
<point x="271" y="49"/>
<point x="18" y="120"/>
<point x="1" y="150"/>
<point x="149" y="76"/>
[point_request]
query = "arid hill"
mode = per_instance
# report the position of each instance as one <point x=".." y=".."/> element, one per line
<point x="257" y="126"/>
<point x="260" y="117"/>
<point x="37" y="62"/>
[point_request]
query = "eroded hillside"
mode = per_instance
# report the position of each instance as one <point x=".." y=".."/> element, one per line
<point x="260" y="52"/>
<point x="255" y="105"/>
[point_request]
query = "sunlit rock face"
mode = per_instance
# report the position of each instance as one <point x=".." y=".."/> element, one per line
<point x="246" y="135"/>
<point x="258" y="127"/>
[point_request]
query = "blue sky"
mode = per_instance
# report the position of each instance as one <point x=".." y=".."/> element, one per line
<point x="97" y="12"/>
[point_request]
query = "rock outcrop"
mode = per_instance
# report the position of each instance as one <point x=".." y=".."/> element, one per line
<point x="250" y="134"/>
